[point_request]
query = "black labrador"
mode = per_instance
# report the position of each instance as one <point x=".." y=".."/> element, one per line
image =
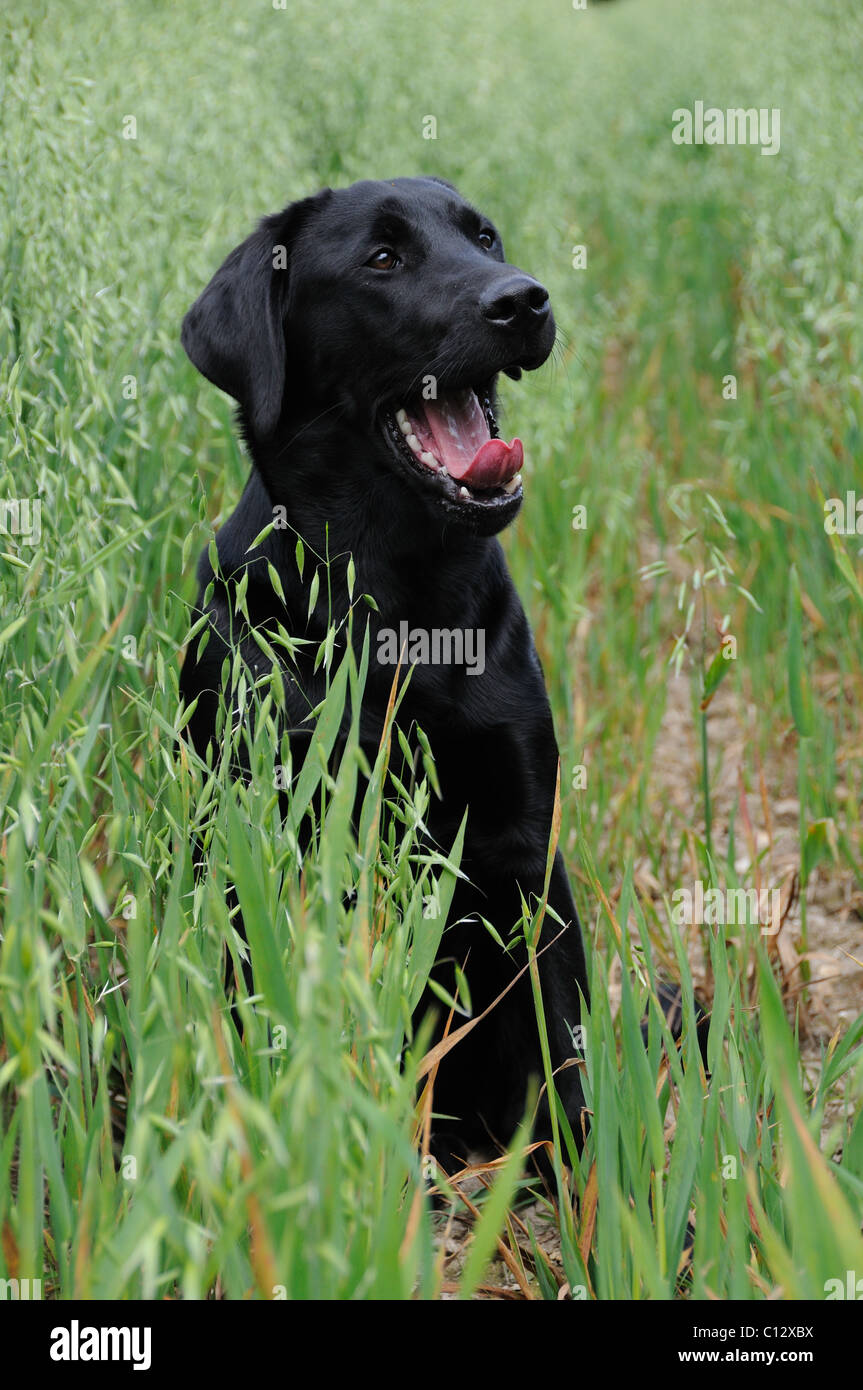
<point x="361" y="332"/>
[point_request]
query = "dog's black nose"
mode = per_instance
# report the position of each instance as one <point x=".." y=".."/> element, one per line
<point x="516" y="302"/>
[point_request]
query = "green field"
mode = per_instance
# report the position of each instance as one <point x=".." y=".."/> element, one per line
<point x="145" y="1150"/>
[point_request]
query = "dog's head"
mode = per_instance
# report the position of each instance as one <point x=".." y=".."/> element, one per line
<point x="389" y="306"/>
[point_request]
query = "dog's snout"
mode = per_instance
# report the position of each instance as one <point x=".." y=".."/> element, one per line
<point x="517" y="302"/>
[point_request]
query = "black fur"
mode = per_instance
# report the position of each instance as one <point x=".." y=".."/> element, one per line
<point x="317" y="353"/>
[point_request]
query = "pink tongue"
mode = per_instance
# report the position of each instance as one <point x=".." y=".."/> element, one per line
<point x="494" y="463"/>
<point x="455" y="430"/>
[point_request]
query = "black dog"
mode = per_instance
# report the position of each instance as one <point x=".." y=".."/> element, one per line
<point x="361" y="332"/>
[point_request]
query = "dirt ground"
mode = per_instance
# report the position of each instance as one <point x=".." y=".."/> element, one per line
<point x="767" y="826"/>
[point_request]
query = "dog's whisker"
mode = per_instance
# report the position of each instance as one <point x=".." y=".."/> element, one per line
<point x="339" y="405"/>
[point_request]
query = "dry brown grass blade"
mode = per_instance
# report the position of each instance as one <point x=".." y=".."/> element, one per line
<point x="493" y="1165"/>
<point x="490" y="1291"/>
<point x="439" y="1051"/>
<point x="855" y="959"/>
<point x="480" y="1170"/>
<point x="615" y="925"/>
<point x="589" y="1204"/>
<point x="260" y="1252"/>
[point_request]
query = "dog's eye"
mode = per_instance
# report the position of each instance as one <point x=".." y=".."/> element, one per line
<point x="384" y="258"/>
<point x="486" y="239"/>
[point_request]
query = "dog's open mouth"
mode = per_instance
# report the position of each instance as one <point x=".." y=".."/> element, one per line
<point x="454" y="440"/>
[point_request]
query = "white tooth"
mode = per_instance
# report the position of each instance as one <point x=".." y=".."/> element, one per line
<point x="402" y="420"/>
<point x="443" y="472"/>
<point x="514" y="484"/>
<point x="412" y="442"/>
<point x="426" y="457"/>
<point x="463" y="492"/>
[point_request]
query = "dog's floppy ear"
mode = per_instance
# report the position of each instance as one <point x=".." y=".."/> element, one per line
<point x="234" y="333"/>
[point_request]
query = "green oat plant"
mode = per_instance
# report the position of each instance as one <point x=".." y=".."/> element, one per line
<point x="149" y="1150"/>
<point x="703" y="1184"/>
<point x="710" y="570"/>
<point x="141" y="1149"/>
